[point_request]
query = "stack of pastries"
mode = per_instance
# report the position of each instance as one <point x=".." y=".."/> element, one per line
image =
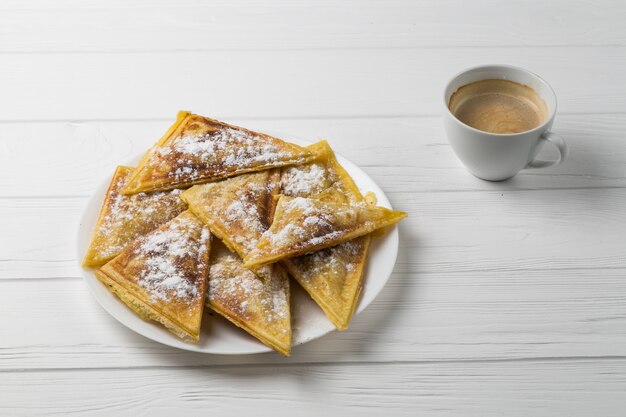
<point x="222" y="216"/>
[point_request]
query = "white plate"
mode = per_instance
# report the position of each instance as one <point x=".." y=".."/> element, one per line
<point x="218" y="335"/>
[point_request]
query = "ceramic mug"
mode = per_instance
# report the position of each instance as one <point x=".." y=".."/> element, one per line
<point x="494" y="156"/>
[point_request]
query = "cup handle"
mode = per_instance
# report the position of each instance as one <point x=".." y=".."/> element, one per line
<point x="560" y="144"/>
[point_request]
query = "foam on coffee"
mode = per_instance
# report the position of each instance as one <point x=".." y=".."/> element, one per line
<point x="498" y="106"/>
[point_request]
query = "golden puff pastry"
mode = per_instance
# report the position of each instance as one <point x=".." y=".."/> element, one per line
<point x="304" y="225"/>
<point x="123" y="218"/>
<point x="163" y="275"/>
<point x="197" y="149"/>
<point x="237" y="210"/>
<point x="319" y="177"/>
<point x="260" y="307"/>
<point x="332" y="276"/>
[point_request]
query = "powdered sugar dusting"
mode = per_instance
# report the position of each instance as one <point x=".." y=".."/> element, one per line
<point x="300" y="203"/>
<point x="219" y="151"/>
<point x="287" y="234"/>
<point x="313" y="223"/>
<point x="165" y="251"/>
<point x="343" y="257"/>
<point x="236" y="209"/>
<point x="128" y="216"/>
<point x="305" y="180"/>
<point x="243" y="214"/>
<point x="246" y="212"/>
<point x="240" y="290"/>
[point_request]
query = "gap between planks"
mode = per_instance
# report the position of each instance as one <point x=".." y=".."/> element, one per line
<point x="292" y="49"/>
<point x="424" y="115"/>
<point x="545" y="359"/>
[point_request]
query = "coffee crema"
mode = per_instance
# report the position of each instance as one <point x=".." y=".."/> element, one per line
<point x="498" y="106"/>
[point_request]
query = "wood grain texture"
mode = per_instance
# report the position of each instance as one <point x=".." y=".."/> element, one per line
<point x="544" y="388"/>
<point x="596" y="159"/>
<point x="418" y="317"/>
<point x="507" y="298"/>
<point x="290" y="83"/>
<point x="115" y="26"/>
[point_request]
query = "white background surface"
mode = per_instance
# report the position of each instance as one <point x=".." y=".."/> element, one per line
<point x="507" y="298"/>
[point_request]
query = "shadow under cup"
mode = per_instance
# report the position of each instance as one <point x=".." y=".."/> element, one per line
<point x="497" y="156"/>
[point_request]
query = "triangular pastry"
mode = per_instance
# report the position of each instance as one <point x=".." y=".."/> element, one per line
<point x="237" y="210"/>
<point x="197" y="149"/>
<point x="331" y="276"/>
<point x="163" y="275"/>
<point x="260" y="307"/>
<point x="304" y="225"/>
<point x="123" y="218"/>
<point x="318" y="177"/>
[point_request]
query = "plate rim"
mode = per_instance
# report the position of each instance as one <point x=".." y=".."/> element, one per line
<point x="136" y="324"/>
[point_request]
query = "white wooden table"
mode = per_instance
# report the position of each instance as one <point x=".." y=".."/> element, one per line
<point x="508" y="299"/>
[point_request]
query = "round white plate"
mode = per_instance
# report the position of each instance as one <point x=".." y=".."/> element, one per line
<point x="218" y="335"/>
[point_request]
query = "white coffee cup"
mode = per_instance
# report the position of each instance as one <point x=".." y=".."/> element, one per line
<point x="496" y="156"/>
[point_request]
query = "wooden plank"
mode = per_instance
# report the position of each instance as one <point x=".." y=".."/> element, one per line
<point x="507" y="299"/>
<point x="27" y="242"/>
<point x="288" y="83"/>
<point x="545" y="388"/>
<point x="418" y="317"/>
<point x="73" y="158"/>
<point x="69" y="26"/>
<point x="445" y="232"/>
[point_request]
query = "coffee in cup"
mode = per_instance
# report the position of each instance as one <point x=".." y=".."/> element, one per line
<point x="498" y="106"/>
<point x="497" y="119"/>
